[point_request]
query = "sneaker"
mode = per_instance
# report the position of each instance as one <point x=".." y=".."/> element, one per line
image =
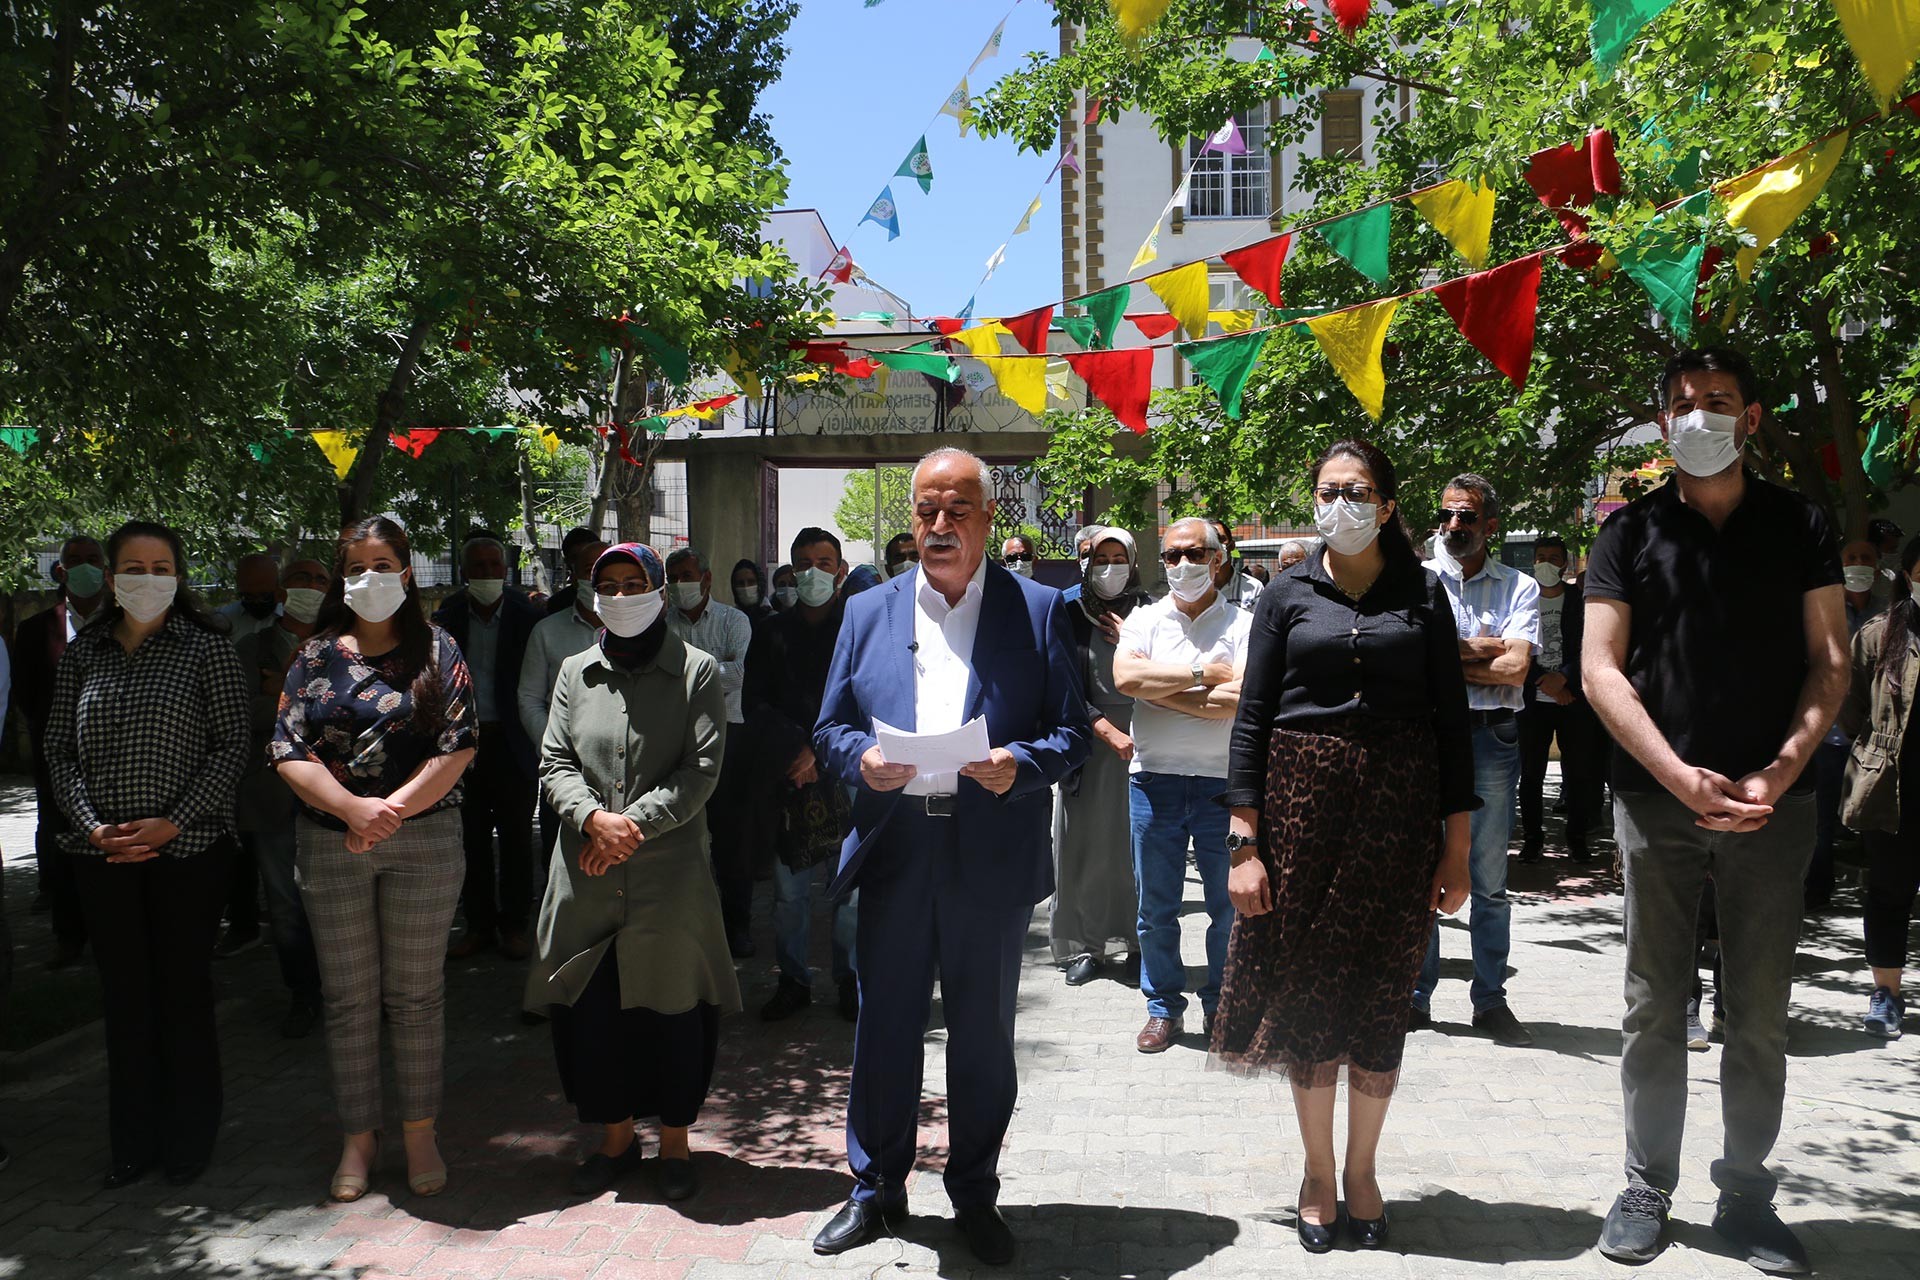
<point x="235" y="940"/>
<point x="1636" y="1227"/>
<point x="1500" y="1024"/>
<point x="1752" y="1227"/>
<point x="1885" y="1012"/>
<point x="790" y="999"/>
<point x="1696" y="1030"/>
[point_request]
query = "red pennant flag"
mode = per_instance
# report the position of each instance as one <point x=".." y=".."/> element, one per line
<point x="949" y="325"/>
<point x="1584" y="256"/>
<point x="833" y="353"/>
<point x="1350" y="14"/>
<point x="1912" y="104"/>
<point x="414" y="443"/>
<point x="1120" y="380"/>
<point x="1259" y="265"/>
<point x="1495" y="311"/>
<point x="1093" y="111"/>
<point x="1030" y="329"/>
<point x="840" y="270"/>
<point x="864" y="368"/>
<point x="1600" y="159"/>
<point x="1154" y="324"/>
<point x="1562" y="177"/>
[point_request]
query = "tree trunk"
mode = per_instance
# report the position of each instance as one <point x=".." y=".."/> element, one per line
<point x="623" y="485"/>
<point x="356" y="491"/>
<point x="1843" y="424"/>
<point x="542" y="580"/>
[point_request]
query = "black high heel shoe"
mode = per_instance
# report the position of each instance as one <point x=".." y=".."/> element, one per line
<point x="1369" y="1233"/>
<point x="1317" y="1237"/>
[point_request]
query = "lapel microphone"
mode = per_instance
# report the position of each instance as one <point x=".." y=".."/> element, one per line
<point x="914" y="647"/>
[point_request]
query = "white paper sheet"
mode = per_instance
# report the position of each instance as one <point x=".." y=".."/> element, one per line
<point x="935" y="752"/>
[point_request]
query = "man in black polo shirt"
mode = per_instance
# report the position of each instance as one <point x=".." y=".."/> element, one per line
<point x="1716" y="654"/>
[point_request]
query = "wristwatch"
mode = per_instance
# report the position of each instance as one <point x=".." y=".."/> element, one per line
<point x="1236" y="842"/>
<point x="1199" y="674"/>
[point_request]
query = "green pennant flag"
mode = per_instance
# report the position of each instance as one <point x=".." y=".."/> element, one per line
<point x="1616" y="23"/>
<point x="878" y="317"/>
<point x="494" y="433"/>
<point x="1361" y="238"/>
<point x="1665" y="261"/>
<point x="1882" y="452"/>
<point x="655" y="425"/>
<point x="1224" y="364"/>
<point x="672" y="360"/>
<point x="1082" y="329"/>
<point x="934" y="366"/>
<point x="918" y="165"/>
<point x="1266" y="55"/>
<point x="19" y="439"/>
<point x="1106" y="308"/>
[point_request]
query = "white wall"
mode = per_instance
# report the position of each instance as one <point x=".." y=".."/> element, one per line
<point x="808" y="496"/>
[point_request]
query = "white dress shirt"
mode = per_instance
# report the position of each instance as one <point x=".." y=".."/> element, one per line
<point x="1499" y="602"/>
<point x="553" y="641"/>
<point x="724" y="632"/>
<point x="1167" y="741"/>
<point x="942" y="666"/>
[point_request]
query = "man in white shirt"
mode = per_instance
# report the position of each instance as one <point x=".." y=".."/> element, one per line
<point x="1239" y="588"/>
<point x="725" y="632"/>
<point x="1181" y="659"/>
<point x="554" y="639"/>
<point x="1497" y="609"/>
<point x="256" y="588"/>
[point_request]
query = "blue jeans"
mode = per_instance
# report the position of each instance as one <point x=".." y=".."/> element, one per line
<point x="1496" y="776"/>
<point x="1165" y="811"/>
<point x="292" y="936"/>
<point x="793" y="924"/>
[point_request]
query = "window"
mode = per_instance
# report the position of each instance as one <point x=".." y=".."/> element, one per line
<point x="1224" y="186"/>
<point x="1342" y="126"/>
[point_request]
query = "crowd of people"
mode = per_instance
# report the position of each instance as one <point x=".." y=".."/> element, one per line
<point x="378" y="771"/>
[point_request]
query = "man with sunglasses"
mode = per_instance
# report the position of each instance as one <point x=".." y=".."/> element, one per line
<point x="1181" y="659"/>
<point x="1018" y="555"/>
<point x="1497" y="609"/>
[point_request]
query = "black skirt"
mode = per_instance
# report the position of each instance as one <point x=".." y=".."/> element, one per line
<point x="619" y="1063"/>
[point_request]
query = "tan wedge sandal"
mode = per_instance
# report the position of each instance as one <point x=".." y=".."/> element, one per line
<point x="427" y="1182"/>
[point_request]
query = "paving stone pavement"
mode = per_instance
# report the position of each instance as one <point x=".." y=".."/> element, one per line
<point x="1495" y="1160"/>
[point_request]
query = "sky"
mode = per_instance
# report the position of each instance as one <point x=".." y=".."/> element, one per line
<point x="859" y="87"/>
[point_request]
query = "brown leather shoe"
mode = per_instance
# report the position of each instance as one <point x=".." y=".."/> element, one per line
<point x="1158" y="1035"/>
<point x="469" y="945"/>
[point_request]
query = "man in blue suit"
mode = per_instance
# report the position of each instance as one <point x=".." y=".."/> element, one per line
<point x="948" y="866"/>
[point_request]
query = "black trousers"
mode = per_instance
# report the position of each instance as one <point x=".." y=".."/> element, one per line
<point x="1580" y="759"/>
<point x="618" y="1064"/>
<point x="726" y="832"/>
<point x="498" y="893"/>
<point x="1893" y="877"/>
<point x="55" y="867"/>
<point x="243" y="892"/>
<point x="152" y="925"/>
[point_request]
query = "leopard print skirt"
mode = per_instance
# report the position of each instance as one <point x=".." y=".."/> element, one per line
<point x="1351" y="836"/>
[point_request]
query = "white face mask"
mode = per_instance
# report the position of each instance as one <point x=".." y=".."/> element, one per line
<point x="375" y="597"/>
<point x="1189" y="582"/>
<point x="1702" y="443"/>
<point x="746" y="597"/>
<point x="1022" y="567"/>
<point x="1109" y="580"/>
<point x="1349" y="527"/>
<point x="145" y="596"/>
<point x="687" y="596"/>
<point x="815" y="587"/>
<point x="303" y="604"/>
<point x="1546" y="573"/>
<point x="786" y="597"/>
<point x="485" y="591"/>
<point x="1858" y="578"/>
<point x="629" y="615"/>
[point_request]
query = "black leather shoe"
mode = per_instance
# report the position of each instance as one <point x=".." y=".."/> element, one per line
<point x="1315" y="1238"/>
<point x="986" y="1233"/>
<point x="599" y="1171"/>
<point x="677" y="1181"/>
<point x="1082" y="971"/>
<point x="740" y="944"/>
<point x="1533" y="849"/>
<point x="303" y="1015"/>
<point x="790" y="999"/>
<point x="1368" y="1233"/>
<point x="1501" y="1026"/>
<point x="857" y="1222"/>
<point x="124" y="1175"/>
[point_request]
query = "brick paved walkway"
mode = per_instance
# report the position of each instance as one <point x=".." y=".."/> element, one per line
<point x="1118" y="1164"/>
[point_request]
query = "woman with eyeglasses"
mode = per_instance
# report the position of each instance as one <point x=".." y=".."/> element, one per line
<point x="633" y="968"/>
<point x="1094" y="898"/>
<point x="377" y="725"/>
<point x="145" y="745"/>
<point x="1353" y="692"/>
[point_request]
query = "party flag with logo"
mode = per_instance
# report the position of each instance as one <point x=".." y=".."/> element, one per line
<point x="959" y="105"/>
<point x="918" y="165"/>
<point x="885" y="213"/>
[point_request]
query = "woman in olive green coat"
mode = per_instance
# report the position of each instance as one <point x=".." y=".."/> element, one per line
<point x="633" y="967"/>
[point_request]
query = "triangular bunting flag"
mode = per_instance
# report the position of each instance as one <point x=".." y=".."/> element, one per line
<point x="747" y="380"/>
<point x="494" y="433"/>
<point x="672" y="361"/>
<point x="1885" y="35"/>
<point x="1058" y="375"/>
<point x="414" y="443"/>
<point x="1136" y="17"/>
<point x="1021" y="379"/>
<point x="1765" y="202"/>
<point x="981" y="340"/>
<point x="1224" y="364"/>
<point x="1120" y="380"/>
<point x="1148" y="251"/>
<point x="1562" y="177"/>
<point x="1026" y="219"/>
<point x="1231" y="321"/>
<point x="1669" y="270"/>
<point x="1106" y="308"/>
<point x="1226" y="140"/>
<point x="994" y="261"/>
<point x="1184" y="290"/>
<point x="840" y="270"/>
<point x="20" y="439"/>
<point x="1350" y="14"/>
<point x="992" y="47"/>
<point x="1353" y="341"/>
<point x="1882" y="454"/>
<point x="1084" y="330"/>
<point x="918" y="165"/>
<point x="1495" y="311"/>
<point x="1617" y="22"/>
<point x="934" y="366"/>
<point x="884" y="212"/>
<point x="550" y="441"/>
<point x="341" y="454"/>
<point x="949" y="324"/>
<point x="1259" y="265"/>
<point x="1030" y="329"/>
<point x="1153" y="324"/>
<point x="1463" y="213"/>
<point x="1068" y="160"/>
<point x="959" y="105"/>
<point x="1361" y="238"/>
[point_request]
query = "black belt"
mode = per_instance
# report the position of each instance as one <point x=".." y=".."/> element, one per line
<point x="931" y="806"/>
<point x="1482" y="719"/>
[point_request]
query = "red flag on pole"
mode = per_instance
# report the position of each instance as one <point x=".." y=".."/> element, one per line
<point x="1495" y="311"/>
<point x="1030" y="329"/>
<point x="1120" y="380"/>
<point x="1259" y="265"/>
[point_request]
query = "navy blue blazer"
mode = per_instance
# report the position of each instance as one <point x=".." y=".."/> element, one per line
<point x="1027" y="684"/>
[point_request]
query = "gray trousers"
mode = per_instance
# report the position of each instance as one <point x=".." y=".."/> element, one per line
<point x="1758" y="879"/>
<point x="380" y="924"/>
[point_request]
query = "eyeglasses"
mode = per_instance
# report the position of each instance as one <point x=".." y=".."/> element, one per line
<point x="1192" y="555"/>
<point x="1018" y="557"/>
<point x="909" y="555"/>
<point x="1327" y="494"/>
<point x="632" y="587"/>
<point x="1465" y="516"/>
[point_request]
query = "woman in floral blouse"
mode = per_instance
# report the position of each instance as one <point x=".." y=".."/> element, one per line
<point x="376" y="726"/>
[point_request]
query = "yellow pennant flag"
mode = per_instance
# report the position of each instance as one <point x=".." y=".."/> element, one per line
<point x="1027" y="220"/>
<point x="1765" y="202"/>
<point x="743" y="376"/>
<point x="1353" y="341"/>
<point x="1136" y="17"/>
<point x="1058" y="371"/>
<point x="1885" y="35"/>
<point x="339" y="452"/>
<point x="1463" y="213"/>
<point x="1184" y="290"/>
<point x="549" y="440"/>
<point x="1231" y="321"/>
<point x="1149" y="250"/>
<point x="982" y="339"/>
<point x="1021" y="379"/>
